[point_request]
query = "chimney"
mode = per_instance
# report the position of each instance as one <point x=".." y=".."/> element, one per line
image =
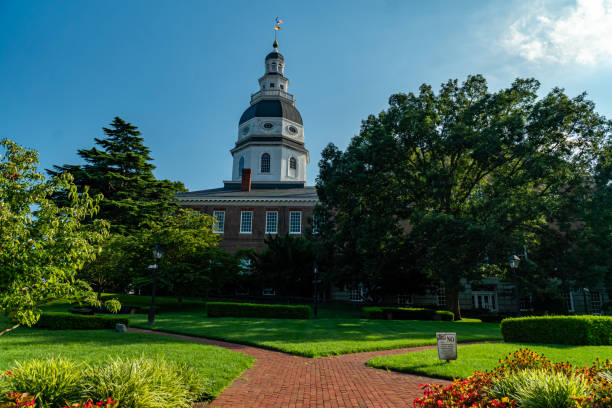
<point x="246" y="180"/>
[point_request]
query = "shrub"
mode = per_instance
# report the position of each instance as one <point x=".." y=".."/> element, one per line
<point x="578" y="330"/>
<point x="541" y="389"/>
<point x="53" y="381"/>
<point x="69" y="321"/>
<point x="144" y="383"/>
<point x="406" y="313"/>
<point x="230" y="309"/>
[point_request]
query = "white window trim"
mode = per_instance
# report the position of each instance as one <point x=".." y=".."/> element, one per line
<point x="242" y="219"/>
<point x="294" y="232"/>
<point x="216" y="228"/>
<point x="275" y="224"/>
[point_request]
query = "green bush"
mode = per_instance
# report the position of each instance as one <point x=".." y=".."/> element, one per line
<point x="406" y="313"/>
<point x="577" y="330"/>
<point x="144" y="383"/>
<point x="53" y="381"/>
<point x="230" y="309"/>
<point x="541" y="388"/>
<point x="69" y="321"/>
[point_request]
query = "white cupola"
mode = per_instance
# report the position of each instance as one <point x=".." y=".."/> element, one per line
<point x="271" y="133"/>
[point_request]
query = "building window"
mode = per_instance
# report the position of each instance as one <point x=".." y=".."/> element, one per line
<point x="292" y="167"/>
<point x="595" y="303"/>
<point x="219" y="222"/>
<point x="441" y="295"/>
<point x="265" y="163"/>
<point x="268" y="292"/>
<point x="246" y="222"/>
<point x="356" y="295"/>
<point x="295" y="222"/>
<point x="282" y="86"/>
<point x="271" y="84"/>
<point x="271" y="222"/>
<point x="484" y="300"/>
<point x="404" y="299"/>
<point x="569" y="301"/>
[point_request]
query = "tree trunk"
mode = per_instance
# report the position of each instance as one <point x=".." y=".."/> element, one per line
<point x="452" y="296"/>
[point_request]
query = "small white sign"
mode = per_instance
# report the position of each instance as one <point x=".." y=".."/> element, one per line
<point x="447" y="346"/>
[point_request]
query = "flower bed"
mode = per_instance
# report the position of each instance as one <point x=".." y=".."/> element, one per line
<point x="525" y="378"/>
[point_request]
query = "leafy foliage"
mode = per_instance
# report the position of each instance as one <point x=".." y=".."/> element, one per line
<point x="441" y="182"/>
<point x="285" y="265"/>
<point x="406" y="313"/>
<point x="42" y="245"/>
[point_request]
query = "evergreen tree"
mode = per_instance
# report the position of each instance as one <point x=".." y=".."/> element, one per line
<point x="120" y="169"/>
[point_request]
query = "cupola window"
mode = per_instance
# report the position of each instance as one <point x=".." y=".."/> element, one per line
<point x="265" y="163"/>
<point x="292" y="167"/>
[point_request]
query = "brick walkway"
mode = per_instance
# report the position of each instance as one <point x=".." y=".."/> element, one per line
<point x="282" y="380"/>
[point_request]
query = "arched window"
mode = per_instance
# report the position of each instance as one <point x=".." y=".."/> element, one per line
<point x="240" y="166"/>
<point x="265" y="163"/>
<point x="292" y="167"/>
<point x="273" y="67"/>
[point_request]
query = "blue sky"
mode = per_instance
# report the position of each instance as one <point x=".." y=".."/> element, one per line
<point x="183" y="71"/>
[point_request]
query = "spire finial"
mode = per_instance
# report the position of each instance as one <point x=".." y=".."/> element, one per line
<point x="275" y="45"/>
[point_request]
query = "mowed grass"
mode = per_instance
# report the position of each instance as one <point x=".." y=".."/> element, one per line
<point x="217" y="365"/>
<point x="484" y="357"/>
<point x="317" y="337"/>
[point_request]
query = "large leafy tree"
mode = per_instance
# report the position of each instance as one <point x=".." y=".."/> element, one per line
<point x="120" y="169"/>
<point x="457" y="177"/>
<point x="192" y="264"/>
<point x="42" y="245"/>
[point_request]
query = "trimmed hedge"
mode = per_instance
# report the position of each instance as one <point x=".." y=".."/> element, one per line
<point x="406" y="313"/>
<point x="231" y="309"/>
<point x="577" y="330"/>
<point x="69" y="321"/>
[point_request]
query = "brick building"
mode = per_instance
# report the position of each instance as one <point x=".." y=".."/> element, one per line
<point x="267" y="193"/>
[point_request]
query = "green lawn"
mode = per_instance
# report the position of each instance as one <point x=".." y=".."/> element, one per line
<point x="484" y="357"/>
<point x="219" y="366"/>
<point x="317" y="337"/>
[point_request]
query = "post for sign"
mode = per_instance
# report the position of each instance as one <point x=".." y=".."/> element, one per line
<point x="447" y="346"/>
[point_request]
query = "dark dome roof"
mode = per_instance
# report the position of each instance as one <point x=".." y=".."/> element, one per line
<point x="272" y="109"/>
<point x="275" y="55"/>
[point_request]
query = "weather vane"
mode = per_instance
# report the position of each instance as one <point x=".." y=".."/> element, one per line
<point x="277" y="26"/>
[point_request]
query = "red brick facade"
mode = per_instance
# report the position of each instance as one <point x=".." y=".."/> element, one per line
<point x="233" y="239"/>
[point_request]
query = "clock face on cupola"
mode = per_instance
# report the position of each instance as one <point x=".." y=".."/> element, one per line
<point x="271" y="132"/>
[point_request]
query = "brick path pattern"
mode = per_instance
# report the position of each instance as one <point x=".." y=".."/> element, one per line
<point x="282" y="380"/>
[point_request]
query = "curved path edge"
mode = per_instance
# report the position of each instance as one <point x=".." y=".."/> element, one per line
<point x="278" y="379"/>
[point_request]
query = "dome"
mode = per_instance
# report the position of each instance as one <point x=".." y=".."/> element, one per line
<point x="275" y="55"/>
<point x="272" y="109"/>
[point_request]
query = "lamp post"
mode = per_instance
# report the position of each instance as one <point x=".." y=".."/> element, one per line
<point x="157" y="255"/>
<point x="514" y="261"/>
<point x="316" y="281"/>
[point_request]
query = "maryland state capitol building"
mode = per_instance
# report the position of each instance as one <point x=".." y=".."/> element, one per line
<point x="267" y="193"/>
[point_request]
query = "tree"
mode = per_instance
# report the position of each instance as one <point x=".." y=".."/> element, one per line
<point x="190" y="253"/>
<point x="286" y="265"/>
<point x="119" y="168"/>
<point x="463" y="164"/>
<point x="42" y="245"/>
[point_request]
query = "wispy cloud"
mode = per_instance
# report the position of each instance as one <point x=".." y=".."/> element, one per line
<point x="580" y="34"/>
